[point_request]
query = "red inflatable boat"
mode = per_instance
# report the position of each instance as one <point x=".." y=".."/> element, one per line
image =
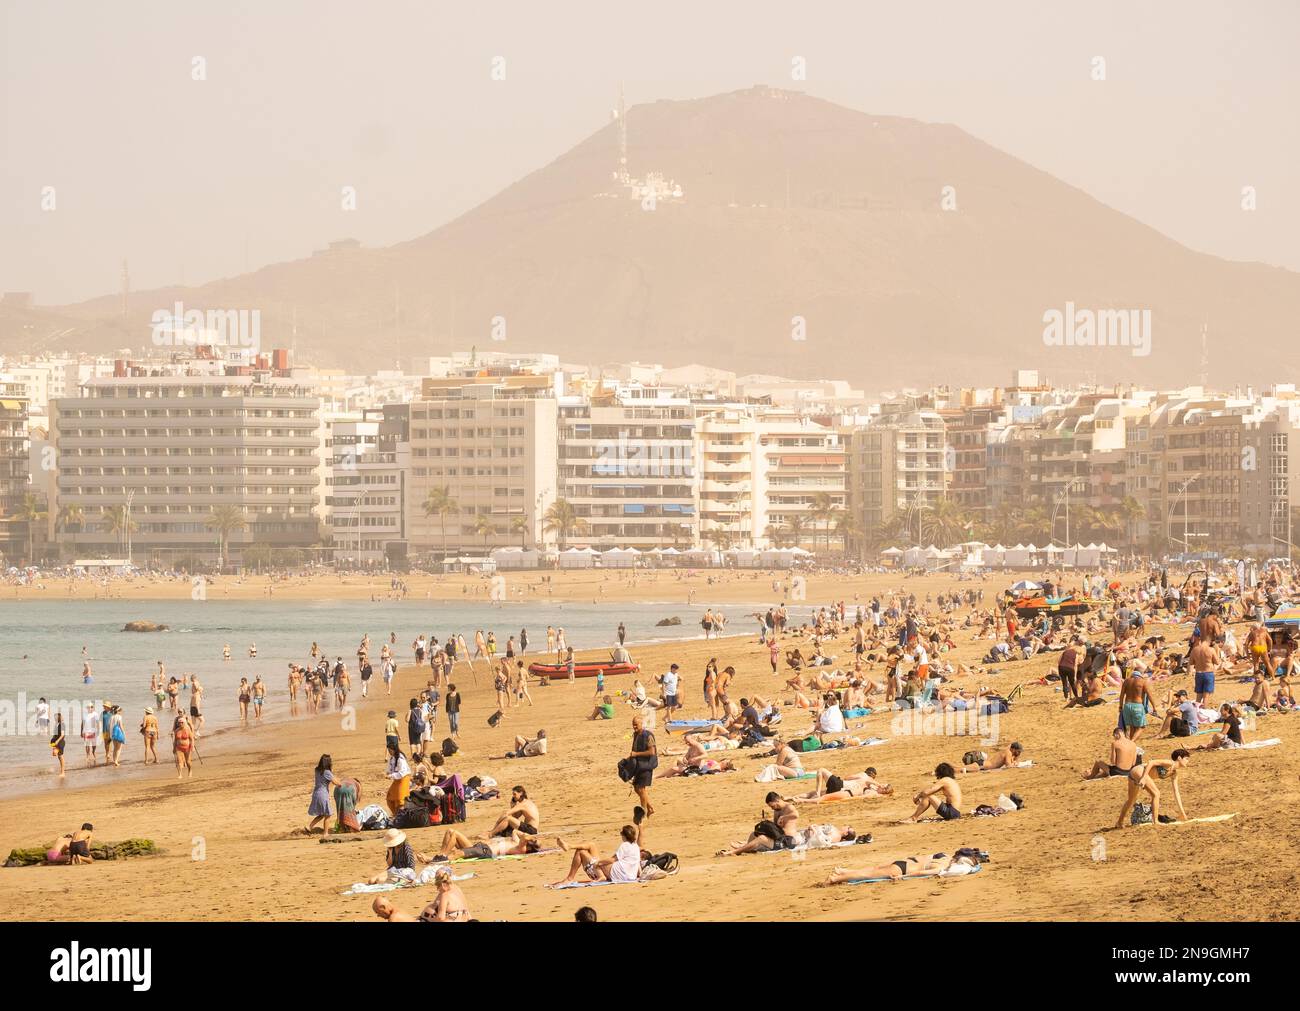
<point x="588" y="669"/>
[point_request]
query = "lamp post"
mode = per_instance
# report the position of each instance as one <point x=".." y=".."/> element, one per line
<point x="1182" y="489"/>
<point x="1064" y="497"/>
<point x="130" y="498"/>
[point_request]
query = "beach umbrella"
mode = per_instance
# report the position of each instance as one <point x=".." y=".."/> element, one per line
<point x="1024" y="585"/>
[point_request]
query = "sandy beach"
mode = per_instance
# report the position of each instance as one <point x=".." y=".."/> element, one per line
<point x="231" y="852"/>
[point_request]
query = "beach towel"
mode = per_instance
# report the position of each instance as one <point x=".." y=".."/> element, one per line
<point x="769" y="774"/>
<point x="805" y="849"/>
<point x="589" y="884"/>
<point x="960" y="871"/>
<point x="1192" y="821"/>
<point x="361" y="888"/>
<point x="853" y="714"/>
<point x="508" y="856"/>
<point x="677" y="724"/>
<point x="1260" y="744"/>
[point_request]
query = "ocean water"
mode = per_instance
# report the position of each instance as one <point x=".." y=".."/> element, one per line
<point x="41" y="650"/>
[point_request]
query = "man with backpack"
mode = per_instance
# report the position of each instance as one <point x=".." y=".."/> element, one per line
<point x="645" y="756"/>
<point x="416" y="728"/>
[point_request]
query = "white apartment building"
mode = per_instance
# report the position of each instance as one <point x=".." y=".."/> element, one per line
<point x="170" y="449"/>
<point x="366" y="485"/>
<point x="732" y="506"/>
<point x="627" y="466"/>
<point x="490" y="441"/>
<point x="799" y="458"/>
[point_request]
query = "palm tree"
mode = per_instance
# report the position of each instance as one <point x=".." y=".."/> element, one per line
<point x="31" y="513"/>
<point x="719" y="538"/>
<point x="823" y="511"/>
<point x="1131" y="510"/>
<point x="947" y="522"/>
<point x="1004" y="523"/>
<point x="1033" y="522"/>
<point x="441" y="504"/>
<point x="519" y="525"/>
<point x="562" y="519"/>
<point x="225" y="520"/>
<point x="70" y="516"/>
<point x="795" y="527"/>
<point x="849" y="529"/>
<point x="485" y="528"/>
<point x="117" y="521"/>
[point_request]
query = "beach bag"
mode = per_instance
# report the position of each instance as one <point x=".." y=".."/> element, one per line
<point x="415" y="724"/>
<point x="411" y="815"/>
<point x="448" y="747"/>
<point x="665" y="863"/>
<point x="751" y="738"/>
<point x="627" y="769"/>
<point x="494" y="719"/>
<point x="1141" y="815"/>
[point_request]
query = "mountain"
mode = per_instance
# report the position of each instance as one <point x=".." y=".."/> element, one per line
<point x="791" y="207"/>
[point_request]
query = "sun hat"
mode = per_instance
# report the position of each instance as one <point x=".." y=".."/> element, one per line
<point x="394" y="837"/>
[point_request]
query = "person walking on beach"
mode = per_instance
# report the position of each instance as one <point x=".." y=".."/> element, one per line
<point x="259" y="696"/>
<point x="501" y="684"/>
<point x="646" y="756"/>
<point x="149" y="731"/>
<point x="522" y="684"/>
<point x="550" y="640"/>
<point x="245" y="696"/>
<point x="58" y="741"/>
<point x="106" y="728"/>
<point x="90" y="734"/>
<point x="523" y="641"/>
<point x="568" y="662"/>
<point x="183" y="746"/>
<point x="196" y="702"/>
<point x="453" y="710"/>
<point x="622" y="634"/>
<point x="116" y="735"/>
<point x="417" y="730"/>
<point x="319" y="808"/>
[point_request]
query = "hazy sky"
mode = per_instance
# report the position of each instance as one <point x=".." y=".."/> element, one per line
<point x="194" y="180"/>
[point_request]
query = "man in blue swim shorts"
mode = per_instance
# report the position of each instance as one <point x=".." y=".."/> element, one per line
<point x="1134" y="697"/>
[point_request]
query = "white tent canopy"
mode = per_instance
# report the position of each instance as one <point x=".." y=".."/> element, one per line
<point x="515" y="558"/>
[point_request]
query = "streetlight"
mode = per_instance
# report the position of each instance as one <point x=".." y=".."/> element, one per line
<point x="1063" y="497"/>
<point x="1169" y="516"/>
<point x="130" y="498"/>
<point x="916" y="506"/>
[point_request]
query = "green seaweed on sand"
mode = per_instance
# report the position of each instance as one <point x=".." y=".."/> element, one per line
<point x="27" y="856"/>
